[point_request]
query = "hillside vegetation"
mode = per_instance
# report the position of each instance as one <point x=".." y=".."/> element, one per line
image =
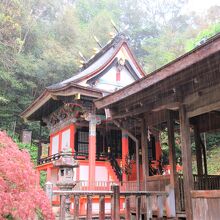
<point x="40" y="41"/>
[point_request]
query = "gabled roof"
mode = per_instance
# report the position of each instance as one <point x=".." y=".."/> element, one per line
<point x="210" y="47"/>
<point x="93" y="68"/>
<point x="102" y="60"/>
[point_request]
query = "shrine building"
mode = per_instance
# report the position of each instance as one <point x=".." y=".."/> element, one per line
<point x="104" y="151"/>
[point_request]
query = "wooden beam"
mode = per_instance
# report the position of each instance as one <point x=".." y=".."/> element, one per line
<point x="186" y="159"/>
<point x="157" y="105"/>
<point x="207" y="122"/>
<point x="205" y="101"/>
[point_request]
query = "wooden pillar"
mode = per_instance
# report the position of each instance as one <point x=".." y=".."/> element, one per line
<point x="186" y="159"/>
<point x="62" y="207"/>
<point x="138" y="208"/>
<point x="115" y="203"/>
<point x="172" y="156"/>
<point x="89" y="208"/>
<point x="127" y="208"/>
<point x="198" y="150"/>
<point x="76" y="207"/>
<point x="204" y="156"/>
<point x="137" y="164"/>
<point x="144" y="149"/>
<point x="92" y="151"/>
<point x="125" y="151"/>
<point x="72" y="137"/>
<point x="102" y="207"/>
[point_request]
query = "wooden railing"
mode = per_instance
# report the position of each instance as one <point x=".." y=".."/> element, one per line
<point x="115" y="195"/>
<point x="204" y="182"/>
<point x="205" y="204"/>
<point x="209" y="182"/>
<point x="77" y="156"/>
<point x="96" y="186"/>
<point x="48" y="159"/>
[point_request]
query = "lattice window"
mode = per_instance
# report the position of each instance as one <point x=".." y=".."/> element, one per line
<point x="83" y="141"/>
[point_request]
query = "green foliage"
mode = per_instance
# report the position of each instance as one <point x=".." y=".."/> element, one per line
<point x="203" y="36"/>
<point x="43" y="178"/>
<point x="40" y="41"/>
<point x="32" y="150"/>
<point x="165" y="146"/>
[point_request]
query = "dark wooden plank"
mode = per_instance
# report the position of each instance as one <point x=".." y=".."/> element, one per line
<point x="127" y="208"/>
<point x="76" y="207"/>
<point x="186" y="159"/>
<point x="138" y="208"/>
<point x="102" y="207"/>
<point x="62" y="207"/>
<point x="89" y="208"/>
<point x="115" y="202"/>
<point x="205" y="193"/>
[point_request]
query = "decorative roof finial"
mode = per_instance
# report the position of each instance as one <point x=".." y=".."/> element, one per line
<point x="114" y="25"/>
<point x="97" y="41"/>
<point x="81" y="55"/>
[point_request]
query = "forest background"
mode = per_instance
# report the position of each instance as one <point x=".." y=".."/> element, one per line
<point x="40" y="42"/>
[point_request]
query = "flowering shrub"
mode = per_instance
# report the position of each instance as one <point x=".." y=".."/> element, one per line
<point x="20" y="196"/>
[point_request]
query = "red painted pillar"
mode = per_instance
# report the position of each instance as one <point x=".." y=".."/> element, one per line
<point x="92" y="151"/>
<point x="72" y="137"/>
<point x="48" y="174"/>
<point x="124" y="151"/>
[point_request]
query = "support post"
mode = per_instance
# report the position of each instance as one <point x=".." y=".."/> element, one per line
<point x="92" y="151"/>
<point x="89" y="208"/>
<point x="137" y="165"/>
<point x="124" y="152"/>
<point x="149" y="207"/>
<point x="62" y="207"/>
<point x="115" y="203"/>
<point x="76" y="207"/>
<point x="144" y="149"/>
<point x="127" y="208"/>
<point x="172" y="157"/>
<point x="187" y="160"/>
<point x="102" y="207"/>
<point x="138" y="208"/>
<point x="72" y="139"/>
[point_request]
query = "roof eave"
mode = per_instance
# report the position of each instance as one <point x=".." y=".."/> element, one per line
<point x="199" y="53"/>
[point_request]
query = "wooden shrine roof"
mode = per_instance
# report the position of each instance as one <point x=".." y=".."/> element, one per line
<point x="48" y="101"/>
<point x="101" y="60"/>
<point x="174" y="74"/>
<point x="94" y="68"/>
<point x="192" y="79"/>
